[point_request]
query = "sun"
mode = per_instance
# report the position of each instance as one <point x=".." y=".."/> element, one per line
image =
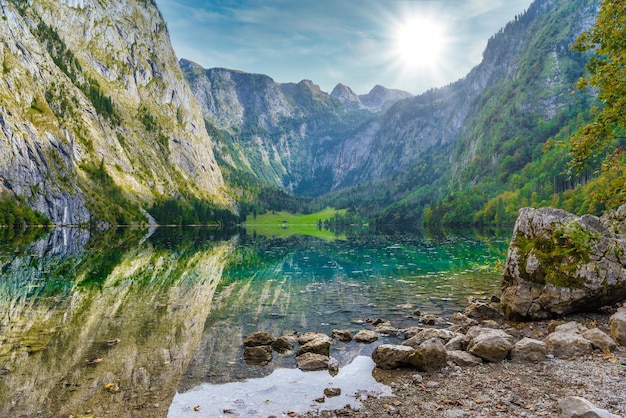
<point x="419" y="42"/>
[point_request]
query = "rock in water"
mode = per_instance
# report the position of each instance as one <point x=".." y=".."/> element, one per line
<point x="259" y="355"/>
<point x="259" y="338"/>
<point x="282" y="344"/>
<point x="319" y="345"/>
<point x="365" y="336"/>
<point x="342" y="335"/>
<point x="312" y="361"/>
<point x="559" y="263"/>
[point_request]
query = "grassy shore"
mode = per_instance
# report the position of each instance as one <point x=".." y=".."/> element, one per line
<point x="285" y="224"/>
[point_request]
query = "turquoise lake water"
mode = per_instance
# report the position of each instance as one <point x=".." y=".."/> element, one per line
<point x="152" y="322"/>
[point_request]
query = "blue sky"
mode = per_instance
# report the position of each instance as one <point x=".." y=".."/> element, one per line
<point x="411" y="45"/>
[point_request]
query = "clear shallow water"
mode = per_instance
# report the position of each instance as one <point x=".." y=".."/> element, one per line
<point x="180" y="301"/>
<point x="284" y="390"/>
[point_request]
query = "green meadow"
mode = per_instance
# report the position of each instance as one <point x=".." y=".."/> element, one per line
<point x="285" y="224"/>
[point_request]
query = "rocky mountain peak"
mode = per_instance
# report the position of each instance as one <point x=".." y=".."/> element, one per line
<point x="381" y="97"/>
<point x="189" y="66"/>
<point x="311" y="86"/>
<point x="347" y="97"/>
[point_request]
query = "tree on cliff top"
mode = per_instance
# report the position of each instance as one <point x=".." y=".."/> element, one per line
<point x="604" y="137"/>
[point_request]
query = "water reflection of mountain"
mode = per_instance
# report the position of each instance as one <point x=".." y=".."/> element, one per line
<point x="104" y="324"/>
<point x="165" y="310"/>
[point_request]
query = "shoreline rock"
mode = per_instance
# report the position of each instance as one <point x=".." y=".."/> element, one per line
<point x="559" y="263"/>
<point x="522" y="349"/>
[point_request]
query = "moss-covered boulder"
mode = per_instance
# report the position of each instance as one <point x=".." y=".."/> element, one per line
<point x="559" y="263"/>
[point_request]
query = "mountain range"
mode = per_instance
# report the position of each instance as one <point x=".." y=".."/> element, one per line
<point x="100" y="123"/>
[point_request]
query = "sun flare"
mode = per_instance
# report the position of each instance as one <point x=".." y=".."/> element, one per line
<point x="419" y="43"/>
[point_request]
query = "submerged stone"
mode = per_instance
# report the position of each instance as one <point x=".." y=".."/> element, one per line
<point x="312" y="361"/>
<point x="257" y="356"/>
<point x="365" y="336"/>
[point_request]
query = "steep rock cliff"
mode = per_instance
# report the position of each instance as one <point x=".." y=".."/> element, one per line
<point x="276" y="131"/>
<point x="96" y="119"/>
<point x="528" y="63"/>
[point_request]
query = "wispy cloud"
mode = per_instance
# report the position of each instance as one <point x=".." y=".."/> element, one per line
<point x="329" y="41"/>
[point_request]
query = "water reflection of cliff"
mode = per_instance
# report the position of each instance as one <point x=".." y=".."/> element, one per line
<point x="104" y="324"/>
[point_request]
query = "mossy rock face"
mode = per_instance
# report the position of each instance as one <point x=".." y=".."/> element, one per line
<point x="560" y="263"/>
<point x="556" y="257"/>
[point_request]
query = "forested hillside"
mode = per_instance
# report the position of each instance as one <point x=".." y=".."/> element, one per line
<point x="471" y="152"/>
<point x="511" y="148"/>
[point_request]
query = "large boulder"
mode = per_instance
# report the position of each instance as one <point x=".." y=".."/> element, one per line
<point x="490" y="344"/>
<point x="559" y="263"/>
<point x="431" y="355"/>
<point x="391" y="356"/>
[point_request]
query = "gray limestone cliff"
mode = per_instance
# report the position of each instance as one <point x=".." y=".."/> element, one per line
<point x="95" y="115"/>
<point x="381" y="98"/>
<point x="278" y="132"/>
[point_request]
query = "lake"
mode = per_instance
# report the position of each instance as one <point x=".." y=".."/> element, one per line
<point x="151" y="323"/>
